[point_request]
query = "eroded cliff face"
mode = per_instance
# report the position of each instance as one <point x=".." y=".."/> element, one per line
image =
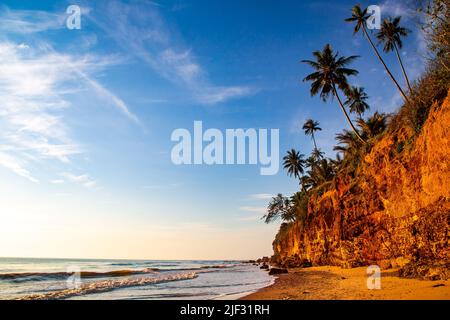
<point x="394" y="213"/>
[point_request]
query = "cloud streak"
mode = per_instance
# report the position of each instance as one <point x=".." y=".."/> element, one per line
<point x="29" y="21"/>
<point x="141" y="31"/>
<point x="13" y="164"/>
<point x="30" y="122"/>
<point x="110" y="97"/>
<point x="261" y="210"/>
<point x="261" y="196"/>
<point x="33" y="84"/>
<point x="83" y="179"/>
<point x="398" y="8"/>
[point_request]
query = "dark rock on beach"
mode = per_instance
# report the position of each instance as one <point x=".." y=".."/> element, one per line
<point x="273" y="271"/>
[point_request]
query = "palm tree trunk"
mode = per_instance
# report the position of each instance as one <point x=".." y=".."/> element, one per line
<point x="346" y="115"/>
<point x="314" y="140"/>
<point x="384" y="64"/>
<point x="403" y="69"/>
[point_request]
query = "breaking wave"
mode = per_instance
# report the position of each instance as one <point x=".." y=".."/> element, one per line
<point x="42" y="276"/>
<point x="108" y="285"/>
<point x="36" y="276"/>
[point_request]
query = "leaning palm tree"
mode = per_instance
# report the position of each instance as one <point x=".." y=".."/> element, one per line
<point x="360" y="17"/>
<point x="356" y="101"/>
<point x="330" y="74"/>
<point x="310" y="126"/>
<point x="293" y="163"/>
<point x="390" y="35"/>
<point x="279" y="207"/>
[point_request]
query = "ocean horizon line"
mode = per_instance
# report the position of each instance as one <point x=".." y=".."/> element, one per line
<point x="125" y="259"/>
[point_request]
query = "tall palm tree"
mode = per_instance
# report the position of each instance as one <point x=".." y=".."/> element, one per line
<point x="331" y="73"/>
<point x="390" y="35"/>
<point x="293" y="163"/>
<point x="356" y="100"/>
<point x="310" y="126"/>
<point x="360" y="17"/>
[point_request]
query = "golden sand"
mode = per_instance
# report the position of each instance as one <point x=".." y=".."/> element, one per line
<point x="334" y="283"/>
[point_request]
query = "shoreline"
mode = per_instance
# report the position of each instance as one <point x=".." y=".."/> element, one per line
<point x="244" y="294"/>
<point x="335" y="283"/>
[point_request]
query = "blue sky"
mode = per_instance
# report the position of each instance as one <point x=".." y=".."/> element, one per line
<point x="87" y="117"/>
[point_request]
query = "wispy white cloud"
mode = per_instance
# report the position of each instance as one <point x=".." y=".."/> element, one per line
<point x="213" y="95"/>
<point x="83" y="179"/>
<point x="34" y="81"/>
<point x="256" y="211"/>
<point x="260" y="196"/>
<point x="107" y="95"/>
<point x="393" y="8"/>
<point x="141" y="31"/>
<point x="261" y="210"/>
<point x="14" y="165"/>
<point x="30" y="104"/>
<point x="33" y="84"/>
<point x="249" y="218"/>
<point x="163" y="186"/>
<point x="29" y="21"/>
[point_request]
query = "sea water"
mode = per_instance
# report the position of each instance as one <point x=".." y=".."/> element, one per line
<point x="27" y="278"/>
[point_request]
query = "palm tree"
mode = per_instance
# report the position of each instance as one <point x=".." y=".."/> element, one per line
<point x="336" y="163"/>
<point x="299" y="203"/>
<point x="293" y="162"/>
<point x="356" y="100"/>
<point x="347" y="144"/>
<point x="279" y="207"/>
<point x="321" y="175"/>
<point x="310" y="126"/>
<point x="374" y="125"/>
<point x="310" y="161"/>
<point x="317" y="154"/>
<point x="361" y="16"/>
<point x="350" y="148"/>
<point x="331" y="73"/>
<point x="306" y="183"/>
<point x="390" y="35"/>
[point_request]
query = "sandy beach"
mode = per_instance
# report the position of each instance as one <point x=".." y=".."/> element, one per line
<point x="334" y="283"/>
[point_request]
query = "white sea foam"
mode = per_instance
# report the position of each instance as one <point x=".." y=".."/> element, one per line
<point x="108" y="285"/>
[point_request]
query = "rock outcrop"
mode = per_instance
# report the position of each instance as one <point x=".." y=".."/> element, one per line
<point x="274" y="271"/>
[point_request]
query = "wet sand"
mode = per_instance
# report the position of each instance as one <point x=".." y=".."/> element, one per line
<point x="334" y="283"/>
